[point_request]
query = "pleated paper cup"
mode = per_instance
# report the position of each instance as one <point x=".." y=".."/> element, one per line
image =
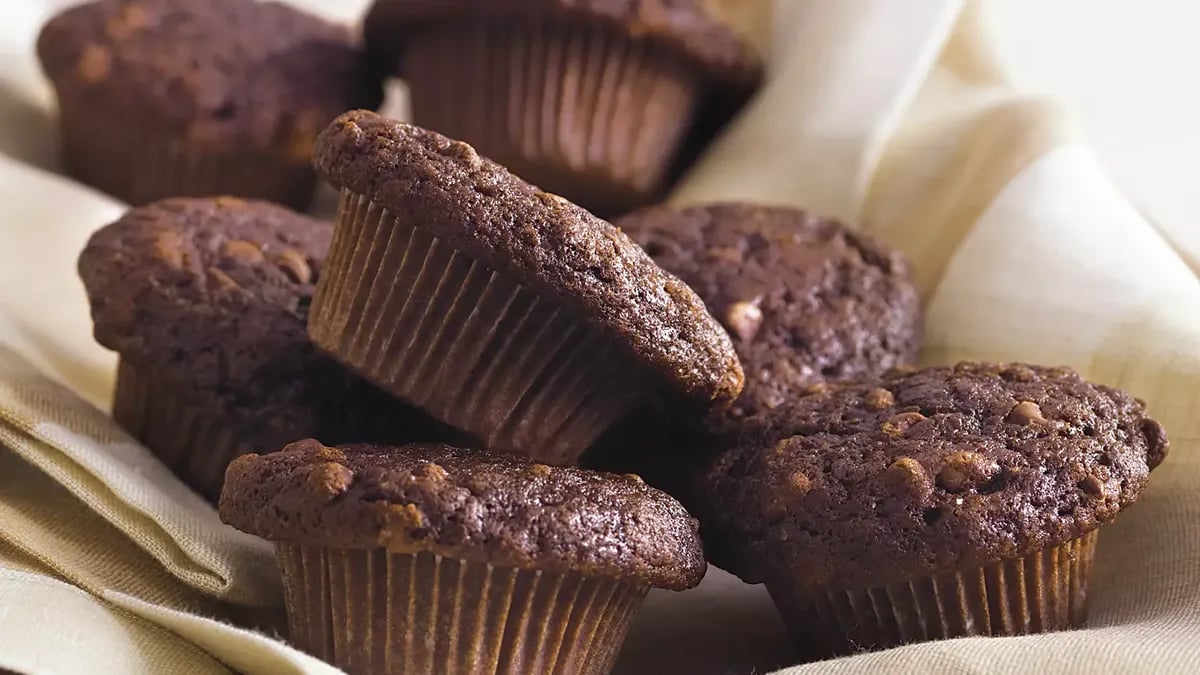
<point x="467" y="344"/>
<point x="1042" y="592"/>
<point x="133" y="162"/>
<point x="578" y="108"/>
<point x="196" y="445"/>
<point x="386" y="613"/>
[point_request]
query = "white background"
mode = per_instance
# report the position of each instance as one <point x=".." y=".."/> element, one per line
<point x="1127" y="71"/>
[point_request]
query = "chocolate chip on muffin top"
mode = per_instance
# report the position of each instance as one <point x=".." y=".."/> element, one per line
<point x="804" y="298"/>
<point x="544" y="242"/>
<point x="690" y="27"/>
<point x="468" y="505"/>
<point x="230" y="72"/>
<point x="863" y="485"/>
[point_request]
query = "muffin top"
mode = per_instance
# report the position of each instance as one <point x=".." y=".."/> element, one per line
<point x="543" y="241"/>
<point x="689" y="27"/>
<point x="465" y="504"/>
<point x="219" y="72"/>
<point x="804" y="298"/>
<point x="925" y="472"/>
<point x="212" y="296"/>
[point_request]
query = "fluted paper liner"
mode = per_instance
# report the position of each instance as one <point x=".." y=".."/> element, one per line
<point x="196" y="445"/>
<point x="465" y="343"/>
<point x="138" y="165"/>
<point x="576" y="107"/>
<point x="385" y="613"/>
<point x="1042" y="592"/>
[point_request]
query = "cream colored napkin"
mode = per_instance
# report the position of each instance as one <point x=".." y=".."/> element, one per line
<point x="890" y="114"/>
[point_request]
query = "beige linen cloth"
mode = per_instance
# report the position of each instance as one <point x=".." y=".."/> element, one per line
<point x="888" y="113"/>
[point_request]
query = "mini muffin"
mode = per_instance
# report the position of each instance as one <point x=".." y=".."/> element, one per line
<point x="804" y="298"/>
<point x="936" y="503"/>
<point x="164" y="98"/>
<point x="430" y="559"/>
<point x="500" y="309"/>
<point x="592" y="100"/>
<point x="205" y="301"/>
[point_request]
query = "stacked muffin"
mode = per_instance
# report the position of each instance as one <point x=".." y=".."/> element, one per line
<point x="750" y="361"/>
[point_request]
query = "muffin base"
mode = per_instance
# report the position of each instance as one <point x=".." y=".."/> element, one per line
<point x="1042" y="592"/>
<point x="578" y="108"/>
<point x="465" y="343"/>
<point x="399" y="613"/>
<point x="195" y="445"/>
<point x="131" y="161"/>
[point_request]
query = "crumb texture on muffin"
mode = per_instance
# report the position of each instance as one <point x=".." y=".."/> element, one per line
<point x="690" y="27"/>
<point x="554" y="247"/>
<point x="805" y="299"/>
<point x="233" y="72"/>
<point x="925" y="472"/>
<point x="465" y="504"/>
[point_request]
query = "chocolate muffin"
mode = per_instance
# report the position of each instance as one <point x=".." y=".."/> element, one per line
<point x="205" y="301"/>
<point x="932" y="504"/>
<point x="429" y="559"/>
<point x="804" y="298"/>
<point x="592" y="100"/>
<point x="164" y="98"/>
<point x="501" y="309"/>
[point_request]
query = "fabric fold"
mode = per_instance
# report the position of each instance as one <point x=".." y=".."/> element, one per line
<point x="894" y="116"/>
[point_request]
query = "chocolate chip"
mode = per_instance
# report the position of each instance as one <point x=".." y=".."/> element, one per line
<point x="95" y="64"/>
<point x="1018" y="373"/>
<point x="964" y="470"/>
<point x="897" y="425"/>
<point x="879" y="399"/>
<point x="799" y="484"/>
<point x="1026" y="413"/>
<point x="294" y="264"/>
<point x="328" y="480"/>
<point x="220" y="280"/>
<point x="168" y="247"/>
<point x="908" y="477"/>
<point x="242" y="251"/>
<point x="817" y="388"/>
<point x="1091" y="485"/>
<point x="743" y="319"/>
<point x="432" y="471"/>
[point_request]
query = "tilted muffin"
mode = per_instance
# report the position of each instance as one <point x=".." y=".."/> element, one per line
<point x="205" y="301"/>
<point x="430" y="559"/>
<point x="590" y="99"/>
<point x="936" y="503"/>
<point x="498" y="308"/>
<point x="164" y="98"/>
<point x="804" y="298"/>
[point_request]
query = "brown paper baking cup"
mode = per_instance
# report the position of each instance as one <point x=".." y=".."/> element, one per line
<point x="578" y="108"/>
<point x="398" y="613"/>
<point x="465" y="343"/>
<point x="138" y="165"/>
<point x="1042" y="592"/>
<point x="194" y="444"/>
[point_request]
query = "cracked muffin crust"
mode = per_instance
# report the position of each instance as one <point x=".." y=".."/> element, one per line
<point x="468" y="505"/>
<point x="924" y="472"/>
